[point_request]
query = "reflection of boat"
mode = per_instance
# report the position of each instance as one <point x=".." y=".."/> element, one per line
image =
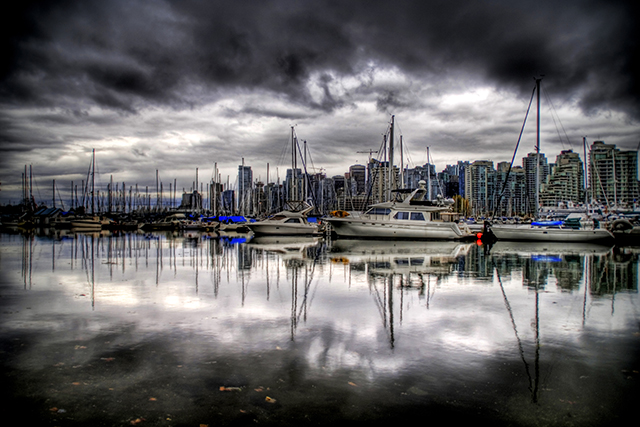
<point x="284" y="245"/>
<point x="238" y="224"/>
<point x="413" y="218"/>
<point x="548" y="248"/>
<point x="625" y="231"/>
<point x="399" y="256"/>
<point x="199" y="224"/>
<point x="172" y="222"/>
<point x="286" y="223"/>
<point x="550" y="232"/>
<point x="91" y="223"/>
<point x="234" y="237"/>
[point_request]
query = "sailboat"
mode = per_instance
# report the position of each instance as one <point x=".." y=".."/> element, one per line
<point x="93" y="222"/>
<point x="549" y="231"/>
<point x="292" y="221"/>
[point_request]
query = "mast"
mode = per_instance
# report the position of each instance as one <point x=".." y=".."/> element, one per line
<point x="110" y="195"/>
<point x="401" y="164"/>
<point x="157" y="191"/>
<point x="391" y="180"/>
<point x="428" y="175"/>
<point x="31" y="203"/>
<point x="241" y="195"/>
<point x="93" y="180"/>
<point x="538" y="148"/>
<point x="215" y="190"/>
<point x="294" y="186"/>
<point x="586" y="195"/>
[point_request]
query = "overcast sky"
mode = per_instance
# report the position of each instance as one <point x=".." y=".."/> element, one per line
<point x="178" y="85"/>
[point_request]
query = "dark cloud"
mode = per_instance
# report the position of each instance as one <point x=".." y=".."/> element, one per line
<point x="166" y="84"/>
<point x="126" y="54"/>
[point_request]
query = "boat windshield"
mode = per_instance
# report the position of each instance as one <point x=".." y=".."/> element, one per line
<point x="378" y="211"/>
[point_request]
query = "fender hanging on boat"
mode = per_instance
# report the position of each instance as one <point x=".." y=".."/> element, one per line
<point x="339" y="214"/>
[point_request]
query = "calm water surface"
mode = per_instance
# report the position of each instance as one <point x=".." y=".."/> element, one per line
<point x="200" y="329"/>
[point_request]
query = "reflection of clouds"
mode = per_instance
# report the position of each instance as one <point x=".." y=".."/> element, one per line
<point x="201" y="290"/>
<point x="200" y="319"/>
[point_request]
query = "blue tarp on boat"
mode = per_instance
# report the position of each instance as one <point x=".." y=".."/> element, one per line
<point x="546" y="223"/>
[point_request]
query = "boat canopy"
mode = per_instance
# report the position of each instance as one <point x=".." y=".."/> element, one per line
<point x="546" y="223"/>
<point x="232" y="219"/>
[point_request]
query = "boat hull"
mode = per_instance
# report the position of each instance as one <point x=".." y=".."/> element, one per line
<point x="542" y="234"/>
<point x="362" y="228"/>
<point x="280" y="229"/>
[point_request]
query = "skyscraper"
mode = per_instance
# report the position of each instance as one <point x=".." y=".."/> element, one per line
<point x="357" y="175"/>
<point x="245" y="180"/>
<point x="480" y="186"/>
<point x="613" y="174"/>
<point x="566" y="181"/>
<point x="530" y="166"/>
<point x="510" y="190"/>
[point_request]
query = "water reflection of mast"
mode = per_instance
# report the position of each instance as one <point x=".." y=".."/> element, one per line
<point x="89" y="264"/>
<point x="592" y="286"/>
<point x="426" y="289"/>
<point x="27" y="259"/>
<point x="385" y="305"/>
<point x="534" y="391"/>
<point x="304" y="306"/>
<point x="533" y="382"/>
<point x="587" y="287"/>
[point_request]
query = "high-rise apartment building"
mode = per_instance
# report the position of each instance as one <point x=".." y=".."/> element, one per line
<point x="613" y="175"/>
<point x="294" y="185"/>
<point x="357" y="177"/>
<point x="462" y="167"/>
<point x="480" y="186"/>
<point x="566" y="181"/>
<point x="245" y="180"/>
<point x="426" y="173"/>
<point x="510" y="190"/>
<point x="378" y="177"/>
<point x="534" y="169"/>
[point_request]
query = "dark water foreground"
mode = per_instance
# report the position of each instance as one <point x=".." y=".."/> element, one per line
<point x="190" y="330"/>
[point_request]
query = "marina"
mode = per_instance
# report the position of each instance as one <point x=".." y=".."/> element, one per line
<point x="292" y="214"/>
<point x="182" y="327"/>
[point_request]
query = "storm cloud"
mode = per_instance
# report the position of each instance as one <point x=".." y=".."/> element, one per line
<point x="76" y="71"/>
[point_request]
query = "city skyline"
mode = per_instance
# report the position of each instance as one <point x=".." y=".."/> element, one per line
<point x="562" y="181"/>
<point x="176" y="87"/>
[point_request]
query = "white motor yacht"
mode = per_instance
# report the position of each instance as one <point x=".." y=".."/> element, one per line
<point x="286" y="223"/>
<point x="413" y="218"/>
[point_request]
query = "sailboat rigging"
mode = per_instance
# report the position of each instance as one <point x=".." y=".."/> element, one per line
<point x="541" y="230"/>
<point x="291" y="221"/>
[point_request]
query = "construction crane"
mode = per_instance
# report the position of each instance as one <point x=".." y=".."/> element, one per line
<point x="370" y="153"/>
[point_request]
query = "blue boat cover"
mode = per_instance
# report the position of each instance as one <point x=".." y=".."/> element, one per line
<point x="543" y="223"/>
